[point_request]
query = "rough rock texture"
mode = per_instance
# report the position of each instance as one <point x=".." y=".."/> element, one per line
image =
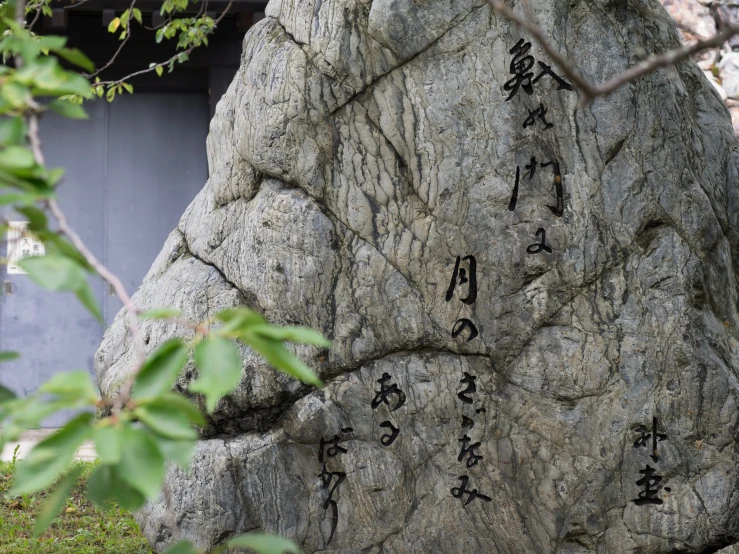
<point x="363" y="147"/>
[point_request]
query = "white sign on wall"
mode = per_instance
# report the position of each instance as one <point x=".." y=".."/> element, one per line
<point x="21" y="244"/>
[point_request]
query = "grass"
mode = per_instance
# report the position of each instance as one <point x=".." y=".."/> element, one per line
<point x="81" y="528"/>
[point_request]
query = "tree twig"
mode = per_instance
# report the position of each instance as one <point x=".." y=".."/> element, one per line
<point x="166" y="62"/>
<point x="35" y="17"/>
<point x="104" y="272"/>
<point x="120" y="47"/>
<point x="588" y="91"/>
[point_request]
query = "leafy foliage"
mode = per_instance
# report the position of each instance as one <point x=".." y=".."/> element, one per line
<point x="147" y="424"/>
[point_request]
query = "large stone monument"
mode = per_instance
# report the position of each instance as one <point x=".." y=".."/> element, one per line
<point x="533" y="306"/>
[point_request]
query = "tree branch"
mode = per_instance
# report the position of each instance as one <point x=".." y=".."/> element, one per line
<point x="166" y="62"/>
<point x="588" y="91"/>
<point x="104" y="272"/>
<point x="125" y="40"/>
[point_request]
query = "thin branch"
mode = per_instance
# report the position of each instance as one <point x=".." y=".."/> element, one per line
<point x="562" y="62"/>
<point x="166" y="62"/>
<point x="76" y="5"/>
<point x="104" y="272"/>
<point x="35" y="17"/>
<point x="590" y="92"/>
<point x="128" y="36"/>
<point x="169" y="19"/>
<point x="162" y="24"/>
<point x="666" y="59"/>
<point x="121" y="399"/>
<point x="20" y="12"/>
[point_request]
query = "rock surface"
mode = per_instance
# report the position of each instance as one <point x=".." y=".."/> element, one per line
<point x="361" y="151"/>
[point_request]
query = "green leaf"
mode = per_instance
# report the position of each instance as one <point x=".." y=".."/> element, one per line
<point x="238" y="320"/>
<point x="12" y="131"/>
<point x="16" y="157"/>
<point x="8" y="179"/>
<point x="73" y="385"/>
<point x="128" y="497"/>
<point x="159" y="69"/>
<point x="219" y="366"/>
<point x="58" y="245"/>
<point x="128" y="87"/>
<point x="142" y="464"/>
<point x="37" y="220"/>
<point x="18" y="198"/>
<point x="263" y="543"/>
<point x="137" y="15"/>
<point x="302" y="335"/>
<point x="114" y="24"/>
<point x="30" y="412"/>
<point x="76" y="57"/>
<point x="243" y="316"/>
<point x="7" y="355"/>
<point x="6" y="394"/>
<point x="166" y="422"/>
<point x="48" y="78"/>
<point x="178" y="451"/>
<point x="55" y="175"/>
<point x="15" y="94"/>
<point x="161" y="369"/>
<point x="56" y="501"/>
<point x="160" y="313"/>
<point x="104" y="484"/>
<point x="182" y="547"/>
<point x="108" y="444"/>
<point x="50" y="457"/>
<point x="54" y="272"/>
<point x="86" y="296"/>
<point x="67" y="109"/>
<point x="280" y="357"/>
<point x="99" y="484"/>
<point x="178" y="403"/>
<point x="51" y="42"/>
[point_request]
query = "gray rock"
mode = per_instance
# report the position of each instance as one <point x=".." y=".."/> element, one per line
<point x="363" y="147"/>
<point x="729" y="71"/>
